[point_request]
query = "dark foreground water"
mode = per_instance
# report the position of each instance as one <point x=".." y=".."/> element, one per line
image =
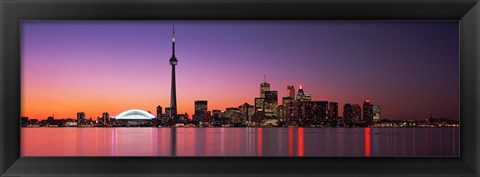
<point x="240" y="141"/>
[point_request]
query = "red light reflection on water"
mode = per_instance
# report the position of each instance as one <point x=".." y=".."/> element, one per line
<point x="290" y="141"/>
<point x="259" y="142"/>
<point x="300" y="141"/>
<point x="367" y="141"/>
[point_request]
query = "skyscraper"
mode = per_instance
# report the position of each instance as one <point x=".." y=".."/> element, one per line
<point x="333" y="113"/>
<point x="264" y="87"/>
<point x="105" y="117"/>
<point x="80" y="116"/>
<point x="300" y="94"/>
<point x="348" y="115"/>
<point x="259" y="104"/>
<point x="376" y="113"/>
<point x="367" y="112"/>
<point x="271" y="102"/>
<point x="201" y="107"/>
<point x="159" y="111"/>
<point x="356" y="113"/>
<point x="291" y="91"/>
<point x="173" y="96"/>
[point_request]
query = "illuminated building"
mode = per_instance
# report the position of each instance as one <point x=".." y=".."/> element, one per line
<point x="263" y="88"/>
<point x="248" y="111"/>
<point x="200" y="115"/>
<point x="168" y="111"/>
<point x="307" y="97"/>
<point x="105" y="117"/>
<point x="300" y="94"/>
<point x="356" y="113"/>
<point x="311" y="113"/>
<point x="80" y="116"/>
<point x="201" y="107"/>
<point x="376" y="113"/>
<point x="235" y="116"/>
<point x="347" y="115"/>
<point x="173" y="97"/>
<point x="281" y="112"/>
<point x="323" y="107"/>
<point x="367" y="112"/>
<point x="259" y="104"/>
<point x="159" y="111"/>
<point x="134" y="114"/>
<point x="291" y="91"/>
<point x="286" y="100"/>
<point x="271" y="103"/>
<point x="333" y="113"/>
<point x="216" y="113"/>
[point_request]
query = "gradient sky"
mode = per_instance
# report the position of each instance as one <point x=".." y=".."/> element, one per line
<point x="409" y="68"/>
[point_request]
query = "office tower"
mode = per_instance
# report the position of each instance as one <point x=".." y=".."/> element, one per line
<point x="168" y="111"/>
<point x="311" y="113"/>
<point x="250" y="112"/>
<point x="323" y="112"/>
<point x="286" y="100"/>
<point x="356" y="113"/>
<point x="105" y="117"/>
<point x="282" y="114"/>
<point x="307" y="97"/>
<point x="173" y="97"/>
<point x="159" y="112"/>
<point x="263" y="88"/>
<point x="201" y="107"/>
<point x="80" y="116"/>
<point x="347" y="115"/>
<point x="376" y="113"/>
<point x="217" y="114"/>
<point x="300" y="94"/>
<point x="50" y="119"/>
<point x="291" y="91"/>
<point x="259" y="104"/>
<point x="333" y="114"/>
<point x="367" y="112"/>
<point x="271" y="103"/>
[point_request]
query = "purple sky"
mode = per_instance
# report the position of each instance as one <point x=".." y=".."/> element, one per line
<point x="409" y="68"/>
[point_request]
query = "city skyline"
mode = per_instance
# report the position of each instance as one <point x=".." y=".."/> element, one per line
<point x="91" y="81"/>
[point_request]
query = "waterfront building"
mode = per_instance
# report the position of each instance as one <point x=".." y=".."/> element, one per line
<point x="271" y="103"/>
<point x="376" y="114"/>
<point x="80" y="116"/>
<point x="347" y="115"/>
<point x="105" y="117"/>
<point x="333" y="114"/>
<point x="291" y="91"/>
<point x="159" y="111"/>
<point x="259" y="104"/>
<point x="263" y="88"/>
<point x="356" y="113"/>
<point x="367" y="112"/>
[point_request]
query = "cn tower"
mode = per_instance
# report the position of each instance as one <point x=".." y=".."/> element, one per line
<point x="173" y="96"/>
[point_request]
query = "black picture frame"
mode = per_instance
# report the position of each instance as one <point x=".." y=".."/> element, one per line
<point x="13" y="11"/>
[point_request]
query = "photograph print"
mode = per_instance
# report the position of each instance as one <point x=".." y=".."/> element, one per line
<point x="240" y="88"/>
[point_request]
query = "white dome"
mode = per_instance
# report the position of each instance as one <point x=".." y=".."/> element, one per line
<point x="134" y="114"/>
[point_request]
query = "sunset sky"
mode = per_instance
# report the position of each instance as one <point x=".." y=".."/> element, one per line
<point x="409" y="68"/>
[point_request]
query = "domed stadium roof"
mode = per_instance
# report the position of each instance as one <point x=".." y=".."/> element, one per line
<point x="134" y="114"/>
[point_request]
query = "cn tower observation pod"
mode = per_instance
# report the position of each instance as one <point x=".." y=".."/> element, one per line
<point x="134" y="114"/>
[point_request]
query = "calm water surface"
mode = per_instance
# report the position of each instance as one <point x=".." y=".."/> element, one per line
<point x="240" y="141"/>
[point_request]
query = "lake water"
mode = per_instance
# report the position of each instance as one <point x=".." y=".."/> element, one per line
<point x="344" y="142"/>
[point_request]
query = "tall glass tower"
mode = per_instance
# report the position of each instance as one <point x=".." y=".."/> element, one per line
<point x="173" y="96"/>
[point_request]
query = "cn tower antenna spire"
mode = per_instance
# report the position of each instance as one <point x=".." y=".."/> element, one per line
<point x="173" y="62"/>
